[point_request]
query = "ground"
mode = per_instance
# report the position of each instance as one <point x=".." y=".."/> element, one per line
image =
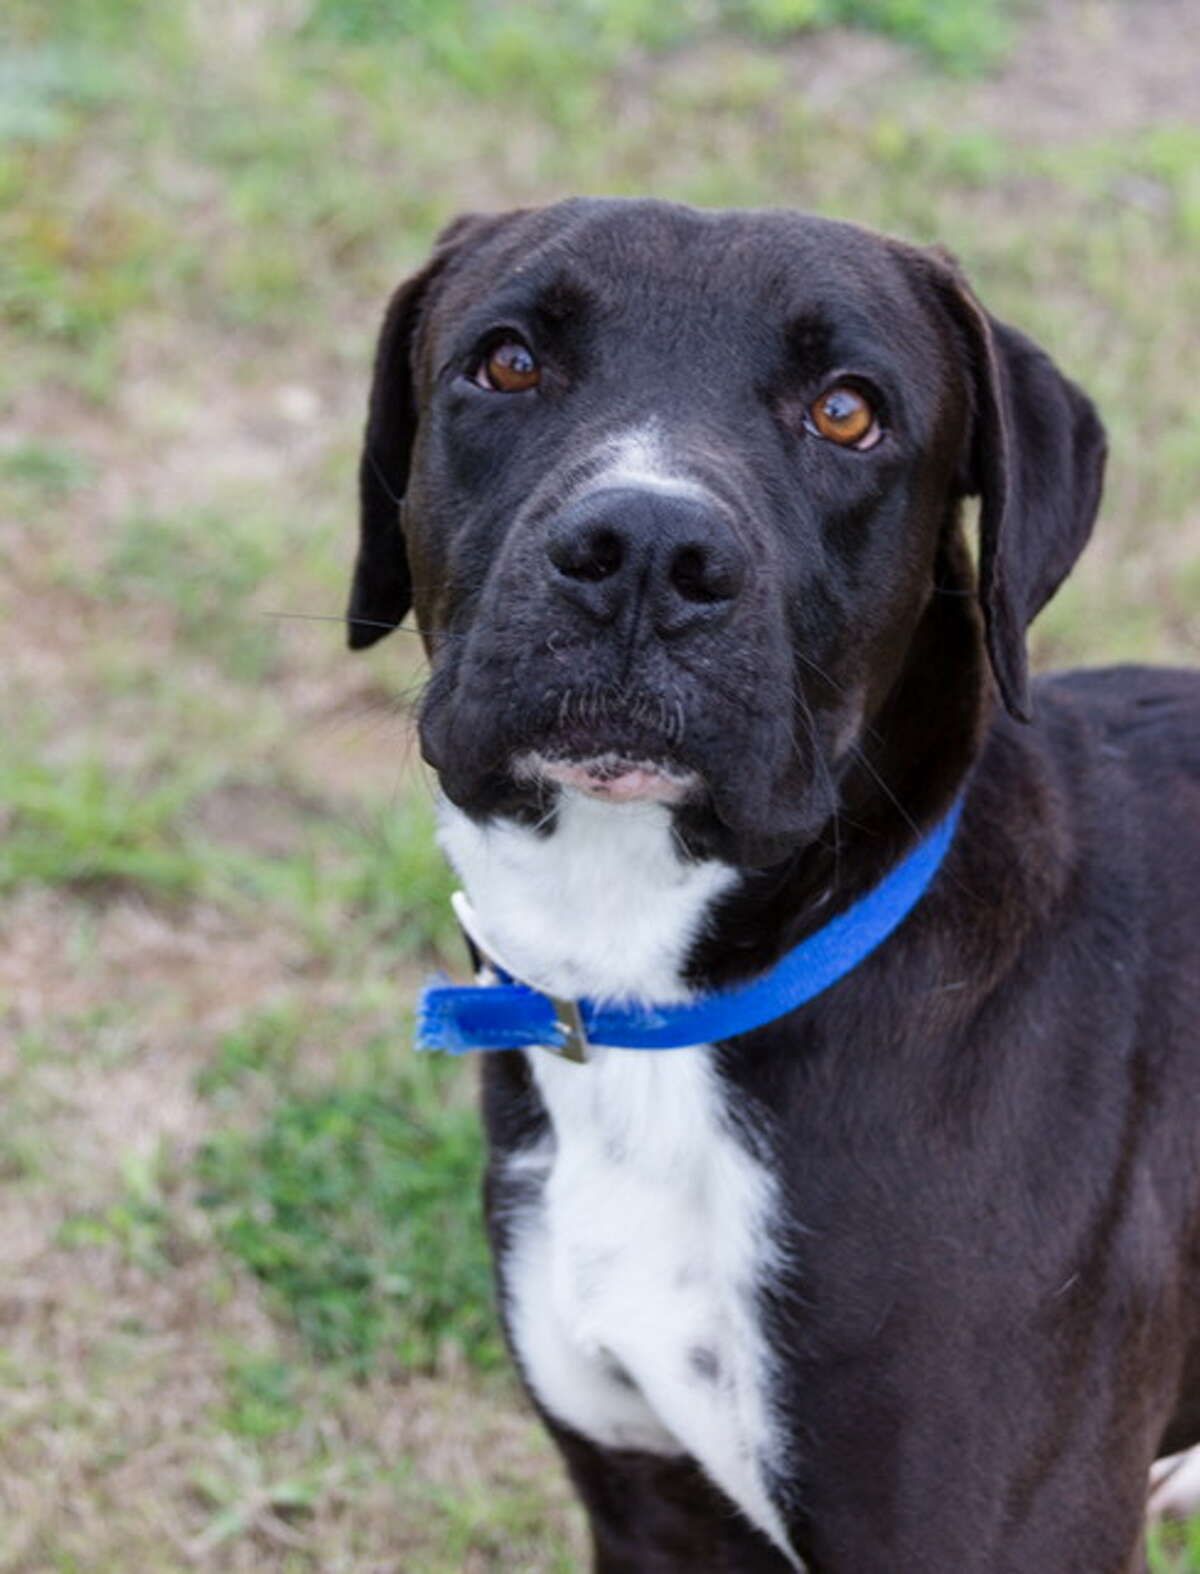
<point x="244" y="1309"/>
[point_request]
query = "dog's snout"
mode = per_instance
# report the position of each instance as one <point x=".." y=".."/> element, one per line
<point x="620" y="548"/>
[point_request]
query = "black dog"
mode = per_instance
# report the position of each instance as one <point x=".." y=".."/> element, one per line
<point x="904" y="1280"/>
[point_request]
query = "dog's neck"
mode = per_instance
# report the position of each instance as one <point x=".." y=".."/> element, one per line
<point x="603" y="903"/>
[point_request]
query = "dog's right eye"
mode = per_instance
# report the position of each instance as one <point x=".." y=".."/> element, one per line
<point x="509" y="367"/>
<point x="845" y="416"/>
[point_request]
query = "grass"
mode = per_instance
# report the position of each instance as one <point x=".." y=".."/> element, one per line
<point x="247" y="1320"/>
<point x="358" y="1206"/>
<point x="1175" y="1548"/>
<point x="92" y="830"/>
<point x="80" y="826"/>
<point x="488" y="50"/>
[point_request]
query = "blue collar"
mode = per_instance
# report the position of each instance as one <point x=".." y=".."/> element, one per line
<point x="510" y="1015"/>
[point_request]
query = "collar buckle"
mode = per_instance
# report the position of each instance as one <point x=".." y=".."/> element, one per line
<point x="568" y="1019"/>
<point x="573" y="1044"/>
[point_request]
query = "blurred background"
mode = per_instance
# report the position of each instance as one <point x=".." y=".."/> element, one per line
<point x="245" y="1315"/>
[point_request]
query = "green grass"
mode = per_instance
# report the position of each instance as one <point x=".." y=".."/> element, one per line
<point x="359" y="1207"/>
<point x="44" y="472"/>
<point x="491" y="49"/>
<point x="80" y="826"/>
<point x="1175" y="1548"/>
<point x="203" y="567"/>
<point x="263" y="1397"/>
<point x="139" y="1224"/>
<point x="372" y="878"/>
<point x="376" y="879"/>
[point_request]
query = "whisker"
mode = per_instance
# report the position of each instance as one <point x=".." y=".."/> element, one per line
<point x="820" y="671"/>
<point x="800" y="701"/>
<point x="547" y="816"/>
<point x="373" y="623"/>
<point x="326" y="617"/>
<point x="382" y="479"/>
<point x="840" y="688"/>
<point x="861" y="757"/>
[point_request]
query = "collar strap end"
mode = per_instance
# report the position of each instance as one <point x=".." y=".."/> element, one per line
<point x="455" y="1019"/>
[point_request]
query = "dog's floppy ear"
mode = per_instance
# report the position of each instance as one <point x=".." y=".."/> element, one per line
<point x="1036" y="462"/>
<point x="381" y="591"/>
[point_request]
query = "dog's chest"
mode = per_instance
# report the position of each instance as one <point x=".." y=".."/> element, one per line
<point x="640" y="1239"/>
<point x="640" y="1227"/>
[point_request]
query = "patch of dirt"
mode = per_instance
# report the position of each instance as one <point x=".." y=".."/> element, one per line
<point x="115" y="1444"/>
<point x="1078" y="68"/>
<point x="198" y="970"/>
<point x="221" y="421"/>
<point x="106" y="1015"/>
<point x="359" y="738"/>
<point x="256" y="818"/>
<point x="1084" y="67"/>
<point x="48" y="632"/>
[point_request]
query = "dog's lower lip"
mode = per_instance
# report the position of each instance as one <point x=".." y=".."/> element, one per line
<point x="612" y="778"/>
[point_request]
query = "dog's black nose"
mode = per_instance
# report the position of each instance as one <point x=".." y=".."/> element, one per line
<point x="622" y="547"/>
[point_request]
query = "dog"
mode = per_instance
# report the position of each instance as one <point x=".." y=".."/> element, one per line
<point x="897" y="1273"/>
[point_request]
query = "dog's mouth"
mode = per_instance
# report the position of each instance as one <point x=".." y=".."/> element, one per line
<point x="721" y="770"/>
<point x="614" y="746"/>
<point x="611" y="777"/>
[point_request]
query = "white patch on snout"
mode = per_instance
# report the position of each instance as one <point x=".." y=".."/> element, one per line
<point x="641" y="1228"/>
<point x="638" y="459"/>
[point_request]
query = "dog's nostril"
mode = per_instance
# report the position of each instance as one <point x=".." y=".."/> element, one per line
<point x="592" y="556"/>
<point x="700" y="576"/>
<point x="604" y="558"/>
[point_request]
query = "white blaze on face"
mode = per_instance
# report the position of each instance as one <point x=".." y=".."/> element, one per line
<point x="639" y="459"/>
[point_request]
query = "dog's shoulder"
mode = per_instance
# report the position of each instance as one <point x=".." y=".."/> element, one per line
<point x="1153" y="712"/>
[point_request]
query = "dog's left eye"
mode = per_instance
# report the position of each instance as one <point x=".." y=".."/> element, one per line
<point x="845" y="416"/>
<point x="509" y="367"/>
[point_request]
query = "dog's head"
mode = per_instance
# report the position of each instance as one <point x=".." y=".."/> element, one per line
<point x="673" y="494"/>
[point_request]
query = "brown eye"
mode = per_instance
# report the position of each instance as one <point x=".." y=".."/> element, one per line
<point x="845" y="416"/>
<point x="510" y="368"/>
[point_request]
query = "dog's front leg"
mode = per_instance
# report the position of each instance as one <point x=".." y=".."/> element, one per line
<point x="655" y="1515"/>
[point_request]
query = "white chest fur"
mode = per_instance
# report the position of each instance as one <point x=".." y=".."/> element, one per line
<point x="644" y="1231"/>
